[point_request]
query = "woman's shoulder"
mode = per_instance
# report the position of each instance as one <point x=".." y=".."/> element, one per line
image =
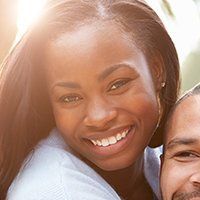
<point x="52" y="172"/>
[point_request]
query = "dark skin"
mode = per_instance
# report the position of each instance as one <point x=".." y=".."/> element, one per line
<point x="100" y="86"/>
<point x="180" y="177"/>
<point x="129" y="183"/>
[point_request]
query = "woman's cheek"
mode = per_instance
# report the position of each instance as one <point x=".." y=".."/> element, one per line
<point x="67" y="120"/>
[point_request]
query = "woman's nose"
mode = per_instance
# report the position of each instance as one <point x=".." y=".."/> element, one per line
<point x="99" y="113"/>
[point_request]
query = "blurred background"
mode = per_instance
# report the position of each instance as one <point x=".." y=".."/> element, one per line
<point x="181" y="18"/>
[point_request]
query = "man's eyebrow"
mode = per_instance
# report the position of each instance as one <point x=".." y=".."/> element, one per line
<point x="64" y="84"/>
<point x="181" y="141"/>
<point x="113" y="68"/>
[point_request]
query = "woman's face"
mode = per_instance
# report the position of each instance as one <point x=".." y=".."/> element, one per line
<point x="102" y="94"/>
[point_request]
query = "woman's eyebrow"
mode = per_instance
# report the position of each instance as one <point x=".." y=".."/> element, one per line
<point x="103" y="75"/>
<point x="71" y="85"/>
<point x="113" y="68"/>
<point x="181" y="141"/>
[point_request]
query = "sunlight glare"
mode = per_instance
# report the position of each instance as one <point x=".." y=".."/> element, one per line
<point x="184" y="30"/>
<point x="29" y="11"/>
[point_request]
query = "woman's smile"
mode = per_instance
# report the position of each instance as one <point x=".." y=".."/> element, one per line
<point x="110" y="140"/>
<point x="116" y="141"/>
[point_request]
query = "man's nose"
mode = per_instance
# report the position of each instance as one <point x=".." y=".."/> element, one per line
<point x="99" y="113"/>
<point x="195" y="178"/>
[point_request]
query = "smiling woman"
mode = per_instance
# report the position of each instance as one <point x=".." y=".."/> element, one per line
<point x="121" y="92"/>
<point x="83" y="94"/>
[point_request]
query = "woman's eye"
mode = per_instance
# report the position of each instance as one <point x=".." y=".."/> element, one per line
<point x="118" y="84"/>
<point x="70" y="99"/>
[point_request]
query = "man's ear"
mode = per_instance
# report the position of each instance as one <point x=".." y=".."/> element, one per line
<point x="161" y="159"/>
<point x="158" y="71"/>
<point x="161" y="162"/>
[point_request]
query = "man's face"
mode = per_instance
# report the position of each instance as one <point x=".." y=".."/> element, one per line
<point x="180" y="175"/>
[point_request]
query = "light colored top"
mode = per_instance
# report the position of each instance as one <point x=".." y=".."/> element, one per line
<point x="52" y="172"/>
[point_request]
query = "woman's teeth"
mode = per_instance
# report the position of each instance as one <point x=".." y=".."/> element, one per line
<point x="110" y="140"/>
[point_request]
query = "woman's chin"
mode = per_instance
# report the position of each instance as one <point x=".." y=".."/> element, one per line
<point x="115" y="164"/>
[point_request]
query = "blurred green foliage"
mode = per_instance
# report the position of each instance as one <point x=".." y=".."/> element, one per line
<point x="167" y="8"/>
<point x="191" y="70"/>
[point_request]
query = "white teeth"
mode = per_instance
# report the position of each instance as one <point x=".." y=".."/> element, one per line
<point x="98" y="143"/>
<point x="119" y="137"/>
<point x="111" y="140"/>
<point x="124" y="133"/>
<point x="105" y="142"/>
<point x="94" y="142"/>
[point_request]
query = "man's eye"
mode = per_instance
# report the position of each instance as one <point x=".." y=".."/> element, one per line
<point x="70" y="99"/>
<point x="118" y="84"/>
<point x="186" y="156"/>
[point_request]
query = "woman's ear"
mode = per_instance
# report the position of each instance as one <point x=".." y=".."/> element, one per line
<point x="159" y="78"/>
<point x="158" y="71"/>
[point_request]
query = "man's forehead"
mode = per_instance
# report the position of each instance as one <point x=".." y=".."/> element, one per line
<point x="185" y="118"/>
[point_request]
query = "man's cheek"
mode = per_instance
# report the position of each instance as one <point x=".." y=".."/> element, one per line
<point x="168" y="180"/>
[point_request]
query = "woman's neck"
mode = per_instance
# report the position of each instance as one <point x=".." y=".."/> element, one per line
<point x="124" y="180"/>
<point x="128" y="181"/>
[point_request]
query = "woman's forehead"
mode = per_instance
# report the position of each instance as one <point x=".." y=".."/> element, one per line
<point x="91" y="32"/>
<point x="95" y="41"/>
<point x="91" y="50"/>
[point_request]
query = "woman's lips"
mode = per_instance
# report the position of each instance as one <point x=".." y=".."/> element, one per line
<point x="113" y="144"/>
